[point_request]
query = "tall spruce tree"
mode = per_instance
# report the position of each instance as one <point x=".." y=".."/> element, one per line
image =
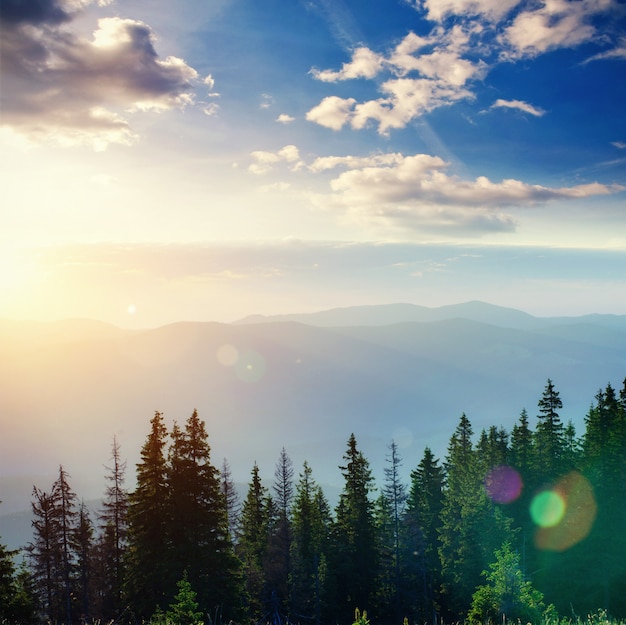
<point x="16" y="602"/>
<point x="45" y="555"/>
<point x="199" y="539"/>
<point x="252" y="544"/>
<point x="113" y="520"/>
<point x="231" y="499"/>
<point x="309" y="548"/>
<point x="472" y="526"/>
<point x="84" y="547"/>
<point x="522" y="447"/>
<point x="604" y="464"/>
<point x="52" y="552"/>
<point x="391" y="506"/>
<point x="278" y="557"/>
<point x="148" y="578"/>
<point x="422" y="522"/>
<point x="355" y="551"/>
<point x="549" y="435"/>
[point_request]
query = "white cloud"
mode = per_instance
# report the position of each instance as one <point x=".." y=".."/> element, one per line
<point x="442" y="75"/>
<point x="211" y="109"/>
<point x="283" y="118"/>
<point x="556" y="24"/>
<point x="620" y="145"/>
<point x="324" y="163"/>
<point x="266" y="101"/>
<point x="416" y="192"/>
<point x="264" y="161"/>
<point x="364" y="64"/>
<point x="64" y="88"/>
<point x="490" y="9"/>
<point x="332" y="112"/>
<point x="520" y="106"/>
<point x="618" y="53"/>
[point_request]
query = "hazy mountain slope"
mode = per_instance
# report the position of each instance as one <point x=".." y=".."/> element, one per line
<point x="400" y="313"/>
<point x="474" y="311"/>
<point x="64" y="394"/>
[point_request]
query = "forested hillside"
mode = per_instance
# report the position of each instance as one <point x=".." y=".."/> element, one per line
<point x="399" y="371"/>
<point x="521" y="523"/>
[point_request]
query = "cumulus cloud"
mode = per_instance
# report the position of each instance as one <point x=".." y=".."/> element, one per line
<point x="494" y="10"/>
<point x="427" y="73"/>
<point x="520" y="106"/>
<point x="364" y="64"/>
<point x="265" y="161"/>
<point x="417" y="192"/>
<point x="555" y="24"/>
<point x="332" y="112"/>
<point x="283" y="118"/>
<point x="63" y="87"/>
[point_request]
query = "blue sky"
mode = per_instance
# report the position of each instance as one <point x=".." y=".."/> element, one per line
<point x="209" y="160"/>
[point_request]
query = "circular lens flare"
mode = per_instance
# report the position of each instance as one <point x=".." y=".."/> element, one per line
<point x="503" y="484"/>
<point x="547" y="508"/>
<point x="570" y="512"/>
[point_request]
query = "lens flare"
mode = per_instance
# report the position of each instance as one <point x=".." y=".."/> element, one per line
<point x="547" y="508"/>
<point x="503" y="484"/>
<point x="250" y="366"/>
<point x="565" y="514"/>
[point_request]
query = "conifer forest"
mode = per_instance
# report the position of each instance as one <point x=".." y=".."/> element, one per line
<point x="521" y="524"/>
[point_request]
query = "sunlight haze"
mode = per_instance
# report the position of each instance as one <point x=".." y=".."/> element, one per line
<point x="231" y="158"/>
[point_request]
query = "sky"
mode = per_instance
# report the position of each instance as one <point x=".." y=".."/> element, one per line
<point x="210" y="159"/>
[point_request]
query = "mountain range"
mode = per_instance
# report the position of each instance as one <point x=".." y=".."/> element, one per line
<point x="303" y="382"/>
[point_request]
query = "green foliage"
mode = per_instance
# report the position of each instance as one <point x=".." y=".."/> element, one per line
<point x="184" y="609"/>
<point x="507" y="596"/>
<point x="360" y="618"/>
<point x="355" y="556"/>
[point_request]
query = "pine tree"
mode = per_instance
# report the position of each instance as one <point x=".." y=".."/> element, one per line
<point x="52" y="552"/>
<point x="231" y="499"/>
<point x="7" y="581"/>
<point x="68" y="517"/>
<point x="355" y="558"/>
<point x="507" y="597"/>
<point x="549" y="435"/>
<point x="391" y="508"/>
<point x="604" y="463"/>
<point x="309" y="548"/>
<point x="16" y="602"/>
<point x="114" y="532"/>
<point x="421" y="536"/>
<point x="185" y="609"/>
<point x="198" y="534"/>
<point x="522" y="450"/>
<point x="277" y="563"/>
<point x="45" y="555"/>
<point x="83" y="544"/>
<point x="148" y="577"/>
<point x="472" y="526"/>
<point x="252" y="545"/>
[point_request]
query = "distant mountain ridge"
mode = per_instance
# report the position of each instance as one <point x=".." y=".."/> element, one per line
<point x="304" y="382"/>
<point x="388" y="314"/>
